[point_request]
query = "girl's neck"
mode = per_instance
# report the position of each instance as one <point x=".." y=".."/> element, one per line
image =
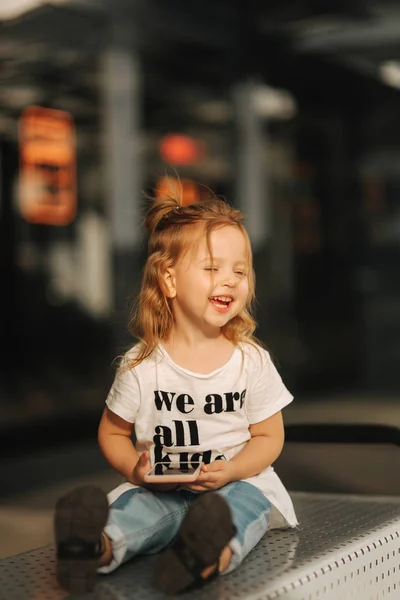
<point x="199" y="356"/>
<point x="193" y="337"/>
<point x="189" y="343"/>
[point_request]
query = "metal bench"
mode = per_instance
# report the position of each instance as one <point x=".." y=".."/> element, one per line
<point x="346" y="547"/>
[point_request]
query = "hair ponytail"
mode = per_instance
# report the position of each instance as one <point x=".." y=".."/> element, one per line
<point x="158" y="212"/>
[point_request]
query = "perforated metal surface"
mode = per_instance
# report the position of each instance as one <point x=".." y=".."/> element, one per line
<point x="346" y="547"/>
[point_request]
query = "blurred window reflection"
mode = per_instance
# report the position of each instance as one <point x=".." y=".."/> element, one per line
<point x="47" y="190"/>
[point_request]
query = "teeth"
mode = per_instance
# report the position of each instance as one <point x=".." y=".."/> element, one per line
<point x="222" y="298"/>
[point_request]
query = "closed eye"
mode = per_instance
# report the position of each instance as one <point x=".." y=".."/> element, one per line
<point x="240" y="272"/>
<point x="211" y="269"/>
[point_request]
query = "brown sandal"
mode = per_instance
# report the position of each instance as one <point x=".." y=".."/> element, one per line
<point x="205" y="531"/>
<point x="79" y="519"/>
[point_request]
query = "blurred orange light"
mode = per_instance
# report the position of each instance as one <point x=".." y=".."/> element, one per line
<point x="47" y="190"/>
<point x="178" y="149"/>
<point x="185" y="191"/>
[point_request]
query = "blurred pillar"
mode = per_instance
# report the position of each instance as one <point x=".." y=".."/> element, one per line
<point x="122" y="117"/>
<point x="251" y="189"/>
<point x="10" y="328"/>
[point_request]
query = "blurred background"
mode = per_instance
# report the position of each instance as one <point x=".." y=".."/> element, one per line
<point x="290" y="110"/>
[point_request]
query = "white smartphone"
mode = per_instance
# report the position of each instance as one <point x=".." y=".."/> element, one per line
<point x="184" y="473"/>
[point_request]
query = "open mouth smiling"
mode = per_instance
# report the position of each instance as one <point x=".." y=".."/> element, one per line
<point x="221" y="302"/>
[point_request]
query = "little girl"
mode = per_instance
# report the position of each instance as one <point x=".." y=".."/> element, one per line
<point x="197" y="388"/>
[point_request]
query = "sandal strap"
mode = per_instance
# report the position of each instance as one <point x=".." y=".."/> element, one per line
<point x="76" y="547"/>
<point x="191" y="562"/>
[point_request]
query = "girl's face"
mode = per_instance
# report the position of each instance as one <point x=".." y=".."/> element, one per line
<point x="208" y="291"/>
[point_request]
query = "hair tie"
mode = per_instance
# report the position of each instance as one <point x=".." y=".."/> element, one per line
<point x="164" y="220"/>
<point x="174" y="209"/>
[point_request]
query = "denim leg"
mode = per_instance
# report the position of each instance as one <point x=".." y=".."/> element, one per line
<point x="143" y="522"/>
<point x="251" y="513"/>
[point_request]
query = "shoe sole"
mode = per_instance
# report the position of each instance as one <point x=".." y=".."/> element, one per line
<point x="80" y="514"/>
<point x="205" y="531"/>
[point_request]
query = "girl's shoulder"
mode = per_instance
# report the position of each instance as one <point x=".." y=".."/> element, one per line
<point x="256" y="355"/>
<point x="135" y="358"/>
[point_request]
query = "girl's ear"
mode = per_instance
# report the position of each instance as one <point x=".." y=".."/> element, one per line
<point x="169" y="283"/>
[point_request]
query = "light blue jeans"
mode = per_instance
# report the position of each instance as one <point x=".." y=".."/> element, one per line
<point x="145" y="522"/>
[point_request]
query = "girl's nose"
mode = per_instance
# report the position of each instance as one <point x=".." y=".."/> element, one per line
<point x="230" y="280"/>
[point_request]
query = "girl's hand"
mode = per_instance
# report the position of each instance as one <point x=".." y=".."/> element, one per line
<point x="213" y="476"/>
<point x="142" y="467"/>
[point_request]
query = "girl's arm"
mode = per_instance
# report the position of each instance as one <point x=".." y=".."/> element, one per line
<point x="114" y="436"/>
<point x="264" y="447"/>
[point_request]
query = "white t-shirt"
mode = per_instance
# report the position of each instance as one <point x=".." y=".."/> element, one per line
<point x="181" y="416"/>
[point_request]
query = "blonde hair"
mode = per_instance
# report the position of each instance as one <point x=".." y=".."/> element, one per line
<point x="172" y="229"/>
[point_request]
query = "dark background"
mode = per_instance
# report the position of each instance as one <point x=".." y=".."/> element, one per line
<point x="328" y="208"/>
